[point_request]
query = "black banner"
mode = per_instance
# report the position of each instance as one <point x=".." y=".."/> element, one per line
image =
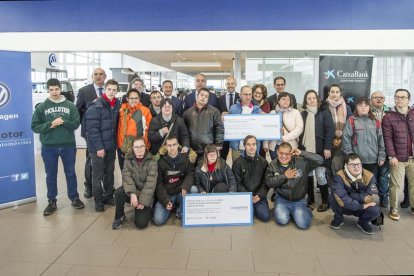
<point x="352" y="73"/>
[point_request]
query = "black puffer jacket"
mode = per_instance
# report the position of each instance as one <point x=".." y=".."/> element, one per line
<point x="223" y="174"/>
<point x="101" y="125"/>
<point x="250" y="174"/>
<point x="173" y="176"/>
<point x="205" y="127"/>
<point x="293" y="189"/>
<point x="178" y="130"/>
<point x="324" y="132"/>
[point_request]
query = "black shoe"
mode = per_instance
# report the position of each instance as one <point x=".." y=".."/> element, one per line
<point x="118" y="222"/>
<point x="323" y="207"/>
<point x="50" y="209"/>
<point x="88" y="192"/>
<point x="365" y="227"/>
<point x="405" y="203"/>
<point x="109" y="201"/>
<point x="336" y="224"/>
<point x="78" y="204"/>
<point x="99" y="207"/>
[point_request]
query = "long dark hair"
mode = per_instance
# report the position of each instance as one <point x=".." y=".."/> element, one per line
<point x="364" y="100"/>
<point x="211" y="148"/>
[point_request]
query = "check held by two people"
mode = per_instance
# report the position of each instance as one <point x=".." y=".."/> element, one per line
<point x="263" y="126"/>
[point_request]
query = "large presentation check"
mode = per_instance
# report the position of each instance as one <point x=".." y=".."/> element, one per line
<point x="263" y="126"/>
<point x="218" y="209"/>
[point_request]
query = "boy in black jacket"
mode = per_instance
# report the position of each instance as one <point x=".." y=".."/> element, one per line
<point x="175" y="177"/>
<point x="250" y="170"/>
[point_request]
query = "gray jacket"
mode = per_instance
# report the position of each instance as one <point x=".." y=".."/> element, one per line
<point x="365" y="139"/>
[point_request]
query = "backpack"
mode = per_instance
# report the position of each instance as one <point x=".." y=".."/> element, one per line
<point x="352" y="123"/>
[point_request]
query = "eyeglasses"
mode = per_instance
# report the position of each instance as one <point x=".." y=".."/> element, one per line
<point x="355" y="165"/>
<point x="378" y="98"/>
<point x="172" y="145"/>
<point x="400" y="98"/>
<point x="212" y="153"/>
<point x="133" y="98"/>
<point x="280" y="84"/>
<point x="139" y="147"/>
<point x="284" y="154"/>
<point x="258" y="93"/>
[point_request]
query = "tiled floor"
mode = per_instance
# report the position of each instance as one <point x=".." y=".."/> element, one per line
<point x="81" y="242"/>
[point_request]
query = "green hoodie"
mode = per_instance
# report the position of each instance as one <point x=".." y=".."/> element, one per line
<point x="49" y="110"/>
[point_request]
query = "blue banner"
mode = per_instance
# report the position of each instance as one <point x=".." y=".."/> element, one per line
<point x="17" y="174"/>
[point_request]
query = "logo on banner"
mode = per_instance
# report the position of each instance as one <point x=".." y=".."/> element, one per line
<point x="329" y="74"/>
<point x="5" y="95"/>
<point x="52" y="60"/>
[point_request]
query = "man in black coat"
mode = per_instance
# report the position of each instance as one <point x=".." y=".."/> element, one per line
<point x="175" y="177"/>
<point x="225" y="101"/>
<point x="280" y="84"/>
<point x="138" y="84"/>
<point x="199" y="82"/>
<point x="86" y="95"/>
<point x="167" y="89"/>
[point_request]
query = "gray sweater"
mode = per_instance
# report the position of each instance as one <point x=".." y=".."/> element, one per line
<point x="365" y="139"/>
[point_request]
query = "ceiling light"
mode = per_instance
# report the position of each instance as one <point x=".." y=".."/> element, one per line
<point x="195" y="64"/>
<point x="215" y="73"/>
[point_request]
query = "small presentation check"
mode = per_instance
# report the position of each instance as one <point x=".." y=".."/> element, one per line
<point x="218" y="209"/>
<point x="263" y="126"/>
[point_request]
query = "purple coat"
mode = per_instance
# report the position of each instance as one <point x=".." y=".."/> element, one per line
<point x="396" y="129"/>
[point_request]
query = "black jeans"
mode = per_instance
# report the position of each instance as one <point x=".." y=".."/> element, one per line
<point x="142" y="216"/>
<point x="103" y="175"/>
<point x="88" y="171"/>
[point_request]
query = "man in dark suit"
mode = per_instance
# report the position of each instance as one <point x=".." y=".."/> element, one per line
<point x="86" y="95"/>
<point x="167" y="88"/>
<point x="138" y="84"/>
<point x="280" y="84"/>
<point x="224" y="102"/>
<point x="199" y="82"/>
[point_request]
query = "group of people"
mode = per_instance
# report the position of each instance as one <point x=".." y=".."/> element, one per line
<point x="167" y="148"/>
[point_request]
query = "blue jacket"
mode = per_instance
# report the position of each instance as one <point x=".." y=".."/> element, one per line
<point x="237" y="109"/>
<point x="101" y="125"/>
<point x="177" y="106"/>
<point x="352" y="195"/>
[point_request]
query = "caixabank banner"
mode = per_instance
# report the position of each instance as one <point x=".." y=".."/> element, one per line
<point x="17" y="174"/>
<point x="352" y="73"/>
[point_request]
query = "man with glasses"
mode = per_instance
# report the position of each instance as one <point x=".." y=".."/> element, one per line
<point x="138" y="84"/>
<point x="353" y="194"/>
<point x="279" y="84"/>
<point x="175" y="177"/>
<point x="288" y="175"/>
<point x="398" y="131"/>
<point x="379" y="109"/>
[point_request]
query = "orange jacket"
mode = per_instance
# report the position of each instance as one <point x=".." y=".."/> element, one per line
<point x="136" y="119"/>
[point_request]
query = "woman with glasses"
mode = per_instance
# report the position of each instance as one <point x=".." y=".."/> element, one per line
<point x="317" y="138"/>
<point x="259" y="97"/>
<point x="134" y="121"/>
<point x="353" y="194"/>
<point x="168" y="124"/>
<point x="212" y="174"/>
<point x="363" y="135"/>
<point x="139" y="179"/>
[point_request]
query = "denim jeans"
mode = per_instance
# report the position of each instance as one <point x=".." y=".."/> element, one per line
<point x="284" y="209"/>
<point x="383" y="176"/>
<point x="50" y="157"/>
<point x="161" y="214"/>
<point x="261" y="210"/>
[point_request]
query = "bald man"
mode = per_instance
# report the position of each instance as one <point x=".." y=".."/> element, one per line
<point x="200" y="81"/>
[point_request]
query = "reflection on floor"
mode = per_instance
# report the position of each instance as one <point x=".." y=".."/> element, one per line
<point x="81" y="242"/>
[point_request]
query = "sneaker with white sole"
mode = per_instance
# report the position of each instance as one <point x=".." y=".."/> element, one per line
<point x="118" y="222"/>
<point x="394" y="214"/>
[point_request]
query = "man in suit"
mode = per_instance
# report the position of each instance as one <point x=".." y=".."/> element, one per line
<point x="225" y="101"/>
<point x="199" y="82"/>
<point x="86" y="95"/>
<point x="167" y="88"/>
<point x="138" y="84"/>
<point x="280" y="84"/>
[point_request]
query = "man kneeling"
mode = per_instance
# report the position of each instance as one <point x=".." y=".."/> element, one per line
<point x="175" y="177"/>
<point x="288" y="175"/>
<point x="353" y="193"/>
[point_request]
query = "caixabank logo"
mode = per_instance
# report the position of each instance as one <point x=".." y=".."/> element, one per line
<point x="5" y="95"/>
<point x="344" y="76"/>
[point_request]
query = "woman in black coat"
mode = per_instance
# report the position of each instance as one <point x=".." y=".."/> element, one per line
<point x="317" y="138"/>
<point x="161" y="125"/>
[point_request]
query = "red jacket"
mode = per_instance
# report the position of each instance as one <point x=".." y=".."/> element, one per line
<point x="397" y="129"/>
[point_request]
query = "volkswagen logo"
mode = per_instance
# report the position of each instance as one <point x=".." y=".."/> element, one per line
<point x="52" y="60"/>
<point x="5" y="95"/>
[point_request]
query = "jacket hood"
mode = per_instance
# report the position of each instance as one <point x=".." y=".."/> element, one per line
<point x="192" y="155"/>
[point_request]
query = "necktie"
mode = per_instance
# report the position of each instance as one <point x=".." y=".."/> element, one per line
<point x="231" y="100"/>
<point x="100" y="91"/>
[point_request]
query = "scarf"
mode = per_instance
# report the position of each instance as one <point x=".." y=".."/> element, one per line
<point x="350" y="176"/>
<point x="282" y="110"/>
<point x="309" y="133"/>
<point x="111" y="102"/>
<point x="338" y="111"/>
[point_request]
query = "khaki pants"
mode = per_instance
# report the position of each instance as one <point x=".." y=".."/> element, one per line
<point x="397" y="180"/>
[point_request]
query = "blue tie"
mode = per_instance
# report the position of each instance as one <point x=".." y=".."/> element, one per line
<point x="231" y="100"/>
<point x="100" y="91"/>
